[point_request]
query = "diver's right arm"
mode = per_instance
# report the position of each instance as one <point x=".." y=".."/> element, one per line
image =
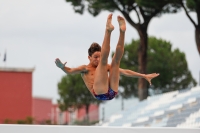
<point x="69" y="70"/>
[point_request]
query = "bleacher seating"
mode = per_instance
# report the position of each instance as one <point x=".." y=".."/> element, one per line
<point x="172" y="109"/>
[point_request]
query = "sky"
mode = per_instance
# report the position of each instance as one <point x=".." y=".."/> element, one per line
<point x="35" y="32"/>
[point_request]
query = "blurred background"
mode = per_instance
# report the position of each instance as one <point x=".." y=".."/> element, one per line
<point x="161" y="37"/>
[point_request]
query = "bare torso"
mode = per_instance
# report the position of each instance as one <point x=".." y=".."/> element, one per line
<point x="88" y="76"/>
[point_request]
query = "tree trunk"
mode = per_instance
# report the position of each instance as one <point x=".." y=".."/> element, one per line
<point x="87" y="114"/>
<point x="197" y="37"/>
<point x="197" y="28"/>
<point x="142" y="60"/>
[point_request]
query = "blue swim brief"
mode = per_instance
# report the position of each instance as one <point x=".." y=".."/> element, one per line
<point x="107" y="96"/>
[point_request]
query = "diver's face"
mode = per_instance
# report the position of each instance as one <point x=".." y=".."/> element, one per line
<point x="94" y="59"/>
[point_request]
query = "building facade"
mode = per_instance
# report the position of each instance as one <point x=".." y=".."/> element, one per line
<point x="17" y="103"/>
<point x="15" y="93"/>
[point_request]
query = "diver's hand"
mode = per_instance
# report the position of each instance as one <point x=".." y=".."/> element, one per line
<point x="59" y="63"/>
<point x="149" y="77"/>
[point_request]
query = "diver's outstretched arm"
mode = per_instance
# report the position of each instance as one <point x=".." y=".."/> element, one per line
<point x="69" y="70"/>
<point x="130" y="73"/>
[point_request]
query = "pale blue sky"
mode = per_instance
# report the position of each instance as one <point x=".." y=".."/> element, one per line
<point x="35" y="32"/>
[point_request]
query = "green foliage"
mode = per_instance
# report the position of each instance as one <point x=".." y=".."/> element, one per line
<point x="193" y="4"/>
<point x="167" y="6"/>
<point x="73" y="93"/>
<point x="28" y="120"/>
<point x="94" y="7"/>
<point x="171" y="64"/>
<point x="85" y="122"/>
<point x="78" y="5"/>
<point x="8" y="121"/>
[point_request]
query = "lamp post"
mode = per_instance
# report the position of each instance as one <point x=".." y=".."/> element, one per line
<point x="121" y="90"/>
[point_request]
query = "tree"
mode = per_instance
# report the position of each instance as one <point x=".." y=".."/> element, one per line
<point x="171" y="64"/>
<point x="145" y="10"/>
<point x="74" y="94"/>
<point x="193" y="6"/>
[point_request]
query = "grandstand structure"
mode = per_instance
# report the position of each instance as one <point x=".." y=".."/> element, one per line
<point x="173" y="109"/>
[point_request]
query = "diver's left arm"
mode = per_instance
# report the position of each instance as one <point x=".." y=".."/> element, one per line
<point x="130" y="73"/>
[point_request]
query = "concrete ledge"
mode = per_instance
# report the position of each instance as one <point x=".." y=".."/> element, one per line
<point x="10" y="69"/>
<point x="12" y="128"/>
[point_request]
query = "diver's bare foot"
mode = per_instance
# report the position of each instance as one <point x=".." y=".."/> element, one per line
<point x="109" y="25"/>
<point x="149" y="77"/>
<point x="122" y="23"/>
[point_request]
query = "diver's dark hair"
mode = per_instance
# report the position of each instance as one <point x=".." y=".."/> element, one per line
<point x="93" y="48"/>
